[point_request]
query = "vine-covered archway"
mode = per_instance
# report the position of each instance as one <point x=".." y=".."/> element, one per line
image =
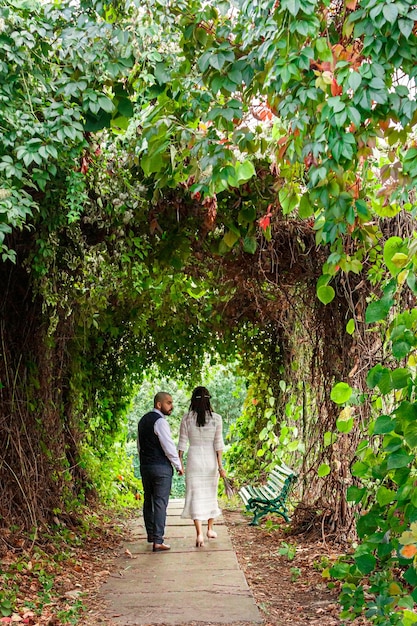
<point x="204" y="178"/>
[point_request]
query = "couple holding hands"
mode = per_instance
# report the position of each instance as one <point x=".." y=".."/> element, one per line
<point x="201" y="429"/>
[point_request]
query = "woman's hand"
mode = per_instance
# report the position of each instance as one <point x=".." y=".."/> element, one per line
<point x="222" y="472"/>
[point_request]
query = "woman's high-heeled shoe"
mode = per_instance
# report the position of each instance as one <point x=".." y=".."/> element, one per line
<point x="199" y="541"/>
<point x="211" y="534"/>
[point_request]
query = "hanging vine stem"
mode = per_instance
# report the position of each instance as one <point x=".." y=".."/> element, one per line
<point x="30" y="508"/>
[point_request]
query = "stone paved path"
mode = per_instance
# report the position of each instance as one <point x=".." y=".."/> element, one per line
<point x="186" y="585"/>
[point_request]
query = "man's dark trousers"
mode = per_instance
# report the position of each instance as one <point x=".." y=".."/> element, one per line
<point x="156" y="481"/>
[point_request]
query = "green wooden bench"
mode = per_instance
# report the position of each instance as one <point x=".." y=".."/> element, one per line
<point x="271" y="497"/>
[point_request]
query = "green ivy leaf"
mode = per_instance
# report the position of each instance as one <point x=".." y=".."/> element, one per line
<point x="365" y="563"/>
<point x="400" y="378"/>
<point x="323" y="470"/>
<point x="341" y="393"/>
<point x="125" y="107"/>
<point x="368" y="523"/>
<point x="396" y="379"/>
<point x="355" y="494"/>
<point x="293" y="446"/>
<point x="323" y="280"/>
<point x="340" y="570"/>
<point x="390" y="12"/>
<point x="329" y="438"/>
<point x="360" y="469"/>
<point x="385" y="496"/>
<point x="411" y="577"/>
<point x="412" y="282"/>
<point x="375" y="374"/>
<point x="384" y="424"/>
<point x="392" y="247"/>
<point x="344" y="426"/>
<point x="247" y="213"/>
<point x="325" y="294"/>
<point x="350" y="327"/>
<point x="105" y="104"/>
<point x="410" y="434"/>
<point x="354" y="80"/>
<point x="230" y="238"/>
<point x="407" y="411"/>
<point x="399" y="459"/>
<point x="305" y="208"/>
<point x="292" y="6"/>
<point x="244" y="171"/>
<point x="288" y="200"/>
<point x="204" y="61"/>
<point x="151" y="163"/>
<point x="404" y="492"/>
<point x="392" y="443"/>
<point x="377" y="311"/>
<point x="250" y="245"/>
<point x="162" y="74"/>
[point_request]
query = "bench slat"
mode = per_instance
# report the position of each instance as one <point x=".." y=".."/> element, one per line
<point x="282" y="475"/>
<point x="253" y="491"/>
<point x="284" y="469"/>
<point x="275" y="483"/>
<point x="244" y="494"/>
<point x="272" y="493"/>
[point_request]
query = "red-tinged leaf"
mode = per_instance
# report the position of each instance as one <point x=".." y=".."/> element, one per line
<point x="262" y="112"/>
<point x="309" y="160"/>
<point x="335" y="88"/>
<point x="351" y="4"/>
<point x="265" y="221"/>
<point x="154" y="226"/>
<point x="84" y="166"/>
<point x="272" y="109"/>
<point x="282" y="151"/>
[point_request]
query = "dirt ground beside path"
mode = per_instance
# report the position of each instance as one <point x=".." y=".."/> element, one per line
<point x="288" y="588"/>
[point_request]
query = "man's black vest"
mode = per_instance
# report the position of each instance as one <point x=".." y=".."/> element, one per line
<point x="150" y="450"/>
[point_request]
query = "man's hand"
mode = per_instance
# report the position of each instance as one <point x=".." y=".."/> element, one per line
<point x="180" y="472"/>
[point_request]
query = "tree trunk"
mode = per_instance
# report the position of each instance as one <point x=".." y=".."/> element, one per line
<point x="35" y="436"/>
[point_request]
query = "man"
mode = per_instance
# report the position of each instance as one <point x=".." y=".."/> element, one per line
<point x="157" y="456"/>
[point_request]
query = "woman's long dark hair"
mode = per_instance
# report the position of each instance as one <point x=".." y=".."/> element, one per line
<point x="200" y="404"/>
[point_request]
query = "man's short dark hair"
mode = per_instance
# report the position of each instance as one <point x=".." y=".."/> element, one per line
<point x="160" y="397"/>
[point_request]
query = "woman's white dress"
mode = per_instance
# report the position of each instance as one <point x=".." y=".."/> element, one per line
<point x="201" y="472"/>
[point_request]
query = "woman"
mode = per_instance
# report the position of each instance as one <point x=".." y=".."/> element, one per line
<point x="202" y="429"/>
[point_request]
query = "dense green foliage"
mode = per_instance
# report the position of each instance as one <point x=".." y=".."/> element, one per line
<point x="184" y="180"/>
<point x="385" y="470"/>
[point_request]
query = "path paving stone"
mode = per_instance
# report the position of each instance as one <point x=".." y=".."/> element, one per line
<point x="185" y="585"/>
